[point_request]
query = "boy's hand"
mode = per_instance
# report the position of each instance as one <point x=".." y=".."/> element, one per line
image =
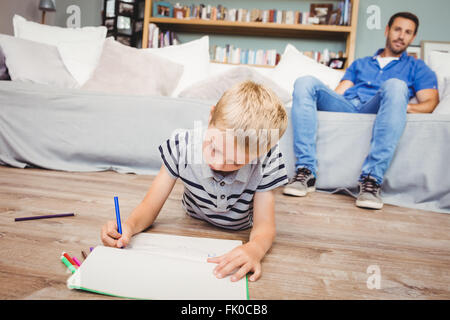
<point x="246" y="258"/>
<point x="112" y="238"/>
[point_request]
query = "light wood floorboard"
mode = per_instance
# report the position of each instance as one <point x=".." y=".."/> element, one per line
<point x="323" y="248"/>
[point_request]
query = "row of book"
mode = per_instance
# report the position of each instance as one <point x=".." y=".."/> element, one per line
<point x="327" y="14"/>
<point x="158" y="38"/>
<point x="231" y="54"/>
<point x="235" y="55"/>
<point x="326" y="56"/>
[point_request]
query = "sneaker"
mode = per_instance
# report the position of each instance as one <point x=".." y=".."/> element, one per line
<point x="303" y="183"/>
<point x="369" y="194"/>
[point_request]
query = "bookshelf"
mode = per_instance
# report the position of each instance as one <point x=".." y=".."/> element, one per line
<point x="346" y="33"/>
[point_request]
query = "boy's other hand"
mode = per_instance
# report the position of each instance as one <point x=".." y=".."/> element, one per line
<point x="246" y="258"/>
<point x="112" y="238"/>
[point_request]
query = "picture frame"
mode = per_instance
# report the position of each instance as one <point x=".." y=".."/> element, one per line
<point x="124" y="25"/>
<point x="429" y="46"/>
<point x="109" y="24"/>
<point x="124" y="40"/>
<point x="335" y="17"/>
<point x="337" y="63"/>
<point x="179" y="13"/>
<point x="321" y="11"/>
<point x="414" y="51"/>
<point x="162" y="9"/>
<point x="126" y="9"/>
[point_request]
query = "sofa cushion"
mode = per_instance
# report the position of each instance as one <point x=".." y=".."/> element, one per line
<point x="4" y="75"/>
<point x="31" y="61"/>
<point x="127" y="70"/>
<point x="212" y="88"/>
<point x="80" y="48"/>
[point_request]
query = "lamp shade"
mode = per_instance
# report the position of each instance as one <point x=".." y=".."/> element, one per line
<point x="47" y="5"/>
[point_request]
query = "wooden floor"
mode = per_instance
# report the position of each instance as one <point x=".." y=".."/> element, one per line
<point x="323" y="248"/>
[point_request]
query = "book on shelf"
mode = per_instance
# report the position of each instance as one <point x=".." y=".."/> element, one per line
<point x="340" y="15"/>
<point x="158" y="38"/>
<point x="325" y="56"/>
<point x="234" y="55"/>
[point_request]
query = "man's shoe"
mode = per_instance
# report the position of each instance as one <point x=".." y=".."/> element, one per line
<point x="369" y="194"/>
<point x="303" y="183"/>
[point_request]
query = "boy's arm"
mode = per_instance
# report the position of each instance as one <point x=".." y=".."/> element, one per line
<point x="263" y="231"/>
<point x="248" y="257"/>
<point x="146" y="212"/>
<point x="143" y="215"/>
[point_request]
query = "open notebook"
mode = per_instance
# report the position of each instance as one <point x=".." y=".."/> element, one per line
<point x="158" y="266"/>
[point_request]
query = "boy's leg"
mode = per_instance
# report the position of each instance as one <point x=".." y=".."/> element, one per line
<point x="310" y="95"/>
<point x="390" y="105"/>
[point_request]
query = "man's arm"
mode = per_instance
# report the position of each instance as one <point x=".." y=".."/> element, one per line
<point x="428" y="100"/>
<point x="343" y="86"/>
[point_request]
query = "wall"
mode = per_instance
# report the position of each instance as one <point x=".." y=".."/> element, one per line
<point x="434" y="24"/>
<point x="432" y="14"/>
<point x="26" y="8"/>
<point x="90" y="12"/>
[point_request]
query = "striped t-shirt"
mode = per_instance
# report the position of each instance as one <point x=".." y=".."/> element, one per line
<point x="224" y="201"/>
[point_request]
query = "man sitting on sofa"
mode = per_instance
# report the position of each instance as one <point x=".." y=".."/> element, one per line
<point x="381" y="85"/>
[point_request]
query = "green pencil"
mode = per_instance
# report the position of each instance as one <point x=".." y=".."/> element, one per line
<point x="68" y="264"/>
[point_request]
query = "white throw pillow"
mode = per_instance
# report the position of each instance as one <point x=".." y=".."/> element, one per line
<point x="440" y="63"/>
<point x="193" y="55"/>
<point x="444" y="105"/>
<point x="80" y="48"/>
<point x="30" y="61"/>
<point x="294" y="64"/>
<point x="213" y="87"/>
<point x="218" y="68"/>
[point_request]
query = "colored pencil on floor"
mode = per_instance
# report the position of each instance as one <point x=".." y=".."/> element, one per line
<point x="68" y="264"/>
<point x="76" y="261"/>
<point x="83" y="254"/>
<point x="69" y="259"/>
<point x="60" y="215"/>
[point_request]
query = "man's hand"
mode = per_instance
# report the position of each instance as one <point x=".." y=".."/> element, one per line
<point x="343" y="86"/>
<point x="246" y="258"/>
<point x="112" y="238"/>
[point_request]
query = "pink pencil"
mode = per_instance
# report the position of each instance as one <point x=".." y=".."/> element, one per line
<point x="76" y="261"/>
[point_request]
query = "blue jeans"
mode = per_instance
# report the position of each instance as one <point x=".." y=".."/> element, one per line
<point x="389" y="104"/>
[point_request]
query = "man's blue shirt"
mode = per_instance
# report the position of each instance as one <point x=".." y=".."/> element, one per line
<point x="368" y="77"/>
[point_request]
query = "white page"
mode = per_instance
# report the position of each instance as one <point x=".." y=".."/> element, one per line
<point x="157" y="266"/>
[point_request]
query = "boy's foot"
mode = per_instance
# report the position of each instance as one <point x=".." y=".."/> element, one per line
<point x="369" y="194"/>
<point x="303" y="183"/>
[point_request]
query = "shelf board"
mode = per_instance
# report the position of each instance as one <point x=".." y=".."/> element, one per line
<point x="252" y="28"/>
<point x="241" y="64"/>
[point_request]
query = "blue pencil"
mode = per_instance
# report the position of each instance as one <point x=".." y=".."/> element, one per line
<point x="119" y="224"/>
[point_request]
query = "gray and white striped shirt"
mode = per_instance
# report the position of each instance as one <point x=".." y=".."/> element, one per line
<point x="224" y="201"/>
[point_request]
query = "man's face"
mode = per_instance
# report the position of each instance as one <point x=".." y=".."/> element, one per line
<point x="400" y="35"/>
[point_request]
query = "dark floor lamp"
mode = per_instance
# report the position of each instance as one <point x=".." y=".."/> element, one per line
<point x="44" y="6"/>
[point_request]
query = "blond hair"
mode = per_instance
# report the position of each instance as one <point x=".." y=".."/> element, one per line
<point x="254" y="112"/>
